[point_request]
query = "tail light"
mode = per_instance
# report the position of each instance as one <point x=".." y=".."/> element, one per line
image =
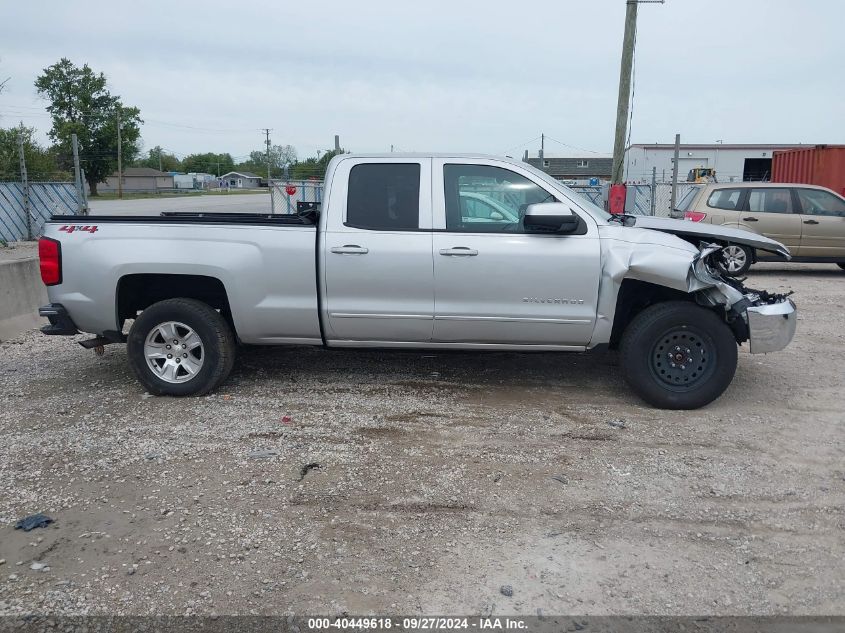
<point x="695" y="216"/>
<point x="50" y="254"/>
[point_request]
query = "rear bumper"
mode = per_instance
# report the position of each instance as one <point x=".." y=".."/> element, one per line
<point x="60" y="322"/>
<point x="772" y="326"/>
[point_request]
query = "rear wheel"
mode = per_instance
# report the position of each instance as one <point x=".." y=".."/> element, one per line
<point x="735" y="260"/>
<point x="678" y="355"/>
<point x="181" y="347"/>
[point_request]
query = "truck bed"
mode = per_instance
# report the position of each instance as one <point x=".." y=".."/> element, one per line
<point x="187" y="217"/>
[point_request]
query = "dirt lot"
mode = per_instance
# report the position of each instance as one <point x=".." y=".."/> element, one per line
<point x="436" y="479"/>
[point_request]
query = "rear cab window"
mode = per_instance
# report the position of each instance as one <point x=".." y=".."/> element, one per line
<point x="384" y="197"/>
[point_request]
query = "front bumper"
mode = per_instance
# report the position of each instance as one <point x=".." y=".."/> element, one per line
<point x="771" y="326"/>
<point x="60" y="322"/>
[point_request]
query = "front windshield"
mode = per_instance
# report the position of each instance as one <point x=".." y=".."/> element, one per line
<point x="582" y="201"/>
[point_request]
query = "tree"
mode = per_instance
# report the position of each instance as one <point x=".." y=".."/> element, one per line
<point x="313" y="167"/>
<point x="280" y="157"/>
<point x="41" y="164"/>
<point x="210" y="163"/>
<point x="157" y="158"/>
<point x="80" y="103"/>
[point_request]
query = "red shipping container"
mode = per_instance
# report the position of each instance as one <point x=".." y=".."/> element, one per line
<point x="822" y="165"/>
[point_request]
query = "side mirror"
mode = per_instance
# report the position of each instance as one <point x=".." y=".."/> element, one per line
<point x="550" y="217"/>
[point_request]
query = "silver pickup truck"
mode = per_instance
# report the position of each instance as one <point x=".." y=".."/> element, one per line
<point x="433" y="251"/>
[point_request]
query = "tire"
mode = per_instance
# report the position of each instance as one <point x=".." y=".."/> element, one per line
<point x="202" y="337"/>
<point x="705" y="355"/>
<point x="735" y="260"/>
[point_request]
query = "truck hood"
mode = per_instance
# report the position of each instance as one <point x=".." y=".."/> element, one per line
<point x="715" y="233"/>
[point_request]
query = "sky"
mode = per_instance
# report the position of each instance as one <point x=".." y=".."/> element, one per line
<point x="459" y="75"/>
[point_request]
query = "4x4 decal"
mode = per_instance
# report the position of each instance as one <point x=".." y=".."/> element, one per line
<point x="70" y="228"/>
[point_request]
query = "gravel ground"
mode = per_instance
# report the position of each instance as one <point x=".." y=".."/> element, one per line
<point x="318" y="482"/>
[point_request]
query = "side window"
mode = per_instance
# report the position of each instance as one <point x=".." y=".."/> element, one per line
<point x="818" y="202"/>
<point x="384" y="197"/>
<point x="727" y="199"/>
<point x="481" y="198"/>
<point x="769" y="200"/>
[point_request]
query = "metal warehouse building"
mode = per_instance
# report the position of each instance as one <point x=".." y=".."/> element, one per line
<point x="733" y="162"/>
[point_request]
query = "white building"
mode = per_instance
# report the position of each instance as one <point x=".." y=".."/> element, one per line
<point x="735" y="162"/>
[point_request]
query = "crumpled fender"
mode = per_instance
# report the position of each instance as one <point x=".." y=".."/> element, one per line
<point x="655" y="257"/>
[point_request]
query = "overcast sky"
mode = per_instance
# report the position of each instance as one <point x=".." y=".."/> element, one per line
<point x="454" y="75"/>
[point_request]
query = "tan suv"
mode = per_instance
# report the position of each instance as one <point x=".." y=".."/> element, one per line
<point x="808" y="220"/>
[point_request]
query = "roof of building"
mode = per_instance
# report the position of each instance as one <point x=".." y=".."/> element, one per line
<point x="141" y="172"/>
<point x="718" y="145"/>
<point x="244" y="174"/>
<point x="582" y="155"/>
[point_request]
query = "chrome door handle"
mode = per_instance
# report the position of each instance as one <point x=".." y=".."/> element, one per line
<point x="749" y="220"/>
<point x="350" y="249"/>
<point x="459" y="251"/>
<point x="811" y="221"/>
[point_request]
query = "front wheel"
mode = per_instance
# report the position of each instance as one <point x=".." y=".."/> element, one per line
<point x="181" y="347"/>
<point x="678" y="355"/>
<point x="735" y="260"/>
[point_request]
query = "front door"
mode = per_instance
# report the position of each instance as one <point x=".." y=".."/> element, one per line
<point x="823" y="224"/>
<point x="379" y="284"/>
<point x="496" y="284"/>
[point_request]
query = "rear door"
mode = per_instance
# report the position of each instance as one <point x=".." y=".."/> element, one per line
<point x="770" y="211"/>
<point x="376" y="250"/>
<point x="497" y="285"/>
<point x="823" y="223"/>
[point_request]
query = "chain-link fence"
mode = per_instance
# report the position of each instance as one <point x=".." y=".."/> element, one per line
<point x="285" y="194"/>
<point x="25" y="207"/>
<point x="640" y="199"/>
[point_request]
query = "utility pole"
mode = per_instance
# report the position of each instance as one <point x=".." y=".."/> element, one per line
<point x="77" y="175"/>
<point x="267" y="133"/>
<point x="542" y="148"/>
<point x="119" y="160"/>
<point x="336" y="142"/>
<point x="25" y="183"/>
<point x="675" y="172"/>
<point x="623" y="101"/>
<point x="653" y="188"/>
<point x="159" y="160"/>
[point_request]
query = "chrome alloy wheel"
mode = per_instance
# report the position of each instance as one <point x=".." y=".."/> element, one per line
<point x="174" y="352"/>
<point x="734" y="258"/>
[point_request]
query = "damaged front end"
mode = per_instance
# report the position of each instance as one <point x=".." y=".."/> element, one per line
<point x="767" y="320"/>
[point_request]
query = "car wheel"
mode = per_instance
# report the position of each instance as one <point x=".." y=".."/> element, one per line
<point x="678" y="355"/>
<point x="735" y="260"/>
<point x="181" y="347"/>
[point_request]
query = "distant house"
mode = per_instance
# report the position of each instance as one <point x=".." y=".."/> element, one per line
<point x="578" y="167"/>
<point x="138" y="180"/>
<point x="241" y="180"/>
